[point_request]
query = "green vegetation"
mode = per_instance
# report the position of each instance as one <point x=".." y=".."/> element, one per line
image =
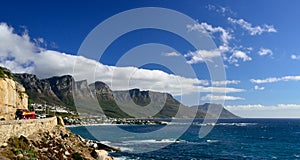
<point x="2" y="74"/>
<point x="111" y="109"/>
<point x="77" y="156"/>
<point x="5" y="73"/>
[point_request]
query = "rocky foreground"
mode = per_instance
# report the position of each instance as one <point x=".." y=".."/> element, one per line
<point x="57" y="144"/>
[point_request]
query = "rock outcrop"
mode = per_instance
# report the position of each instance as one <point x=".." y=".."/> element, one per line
<point x="12" y="95"/>
<point x="56" y="144"/>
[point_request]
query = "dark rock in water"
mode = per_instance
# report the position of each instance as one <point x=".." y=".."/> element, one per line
<point x="99" y="146"/>
<point x="108" y="148"/>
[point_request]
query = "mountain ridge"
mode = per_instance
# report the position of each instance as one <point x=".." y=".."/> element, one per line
<point x="214" y="110"/>
<point x="60" y="90"/>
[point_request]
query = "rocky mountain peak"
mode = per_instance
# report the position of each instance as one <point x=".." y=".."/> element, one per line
<point x="37" y="89"/>
<point x="100" y="87"/>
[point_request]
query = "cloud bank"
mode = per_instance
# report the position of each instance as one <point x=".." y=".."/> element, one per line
<point x="210" y="97"/>
<point x="275" y="79"/>
<point x="253" y="30"/>
<point x="266" y="111"/>
<point x="20" y="54"/>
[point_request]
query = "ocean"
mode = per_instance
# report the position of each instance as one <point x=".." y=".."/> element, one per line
<point x="229" y="139"/>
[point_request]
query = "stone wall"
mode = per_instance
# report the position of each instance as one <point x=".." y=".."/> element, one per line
<point x="12" y="97"/>
<point x="25" y="127"/>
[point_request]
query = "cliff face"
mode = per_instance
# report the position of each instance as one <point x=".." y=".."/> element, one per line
<point x="12" y="97"/>
<point x="102" y="91"/>
<point x="62" y="87"/>
<point x="38" y="90"/>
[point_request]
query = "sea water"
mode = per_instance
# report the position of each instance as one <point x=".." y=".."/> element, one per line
<point x="229" y="139"/>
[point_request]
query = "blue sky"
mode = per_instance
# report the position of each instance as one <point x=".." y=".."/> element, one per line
<point x="261" y="40"/>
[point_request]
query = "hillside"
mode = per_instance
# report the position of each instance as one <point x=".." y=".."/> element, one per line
<point x="145" y="103"/>
<point x="214" y="109"/>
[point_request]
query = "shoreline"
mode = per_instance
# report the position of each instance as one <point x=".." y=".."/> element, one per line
<point x="100" y="124"/>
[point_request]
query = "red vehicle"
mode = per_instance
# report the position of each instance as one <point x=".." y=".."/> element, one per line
<point x="24" y="114"/>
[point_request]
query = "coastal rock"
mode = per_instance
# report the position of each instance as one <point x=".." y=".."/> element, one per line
<point x="55" y="144"/>
<point x="101" y="155"/>
<point x="95" y="145"/>
<point x="4" y="145"/>
<point x="20" y="156"/>
<point x="60" y="121"/>
<point x="67" y="153"/>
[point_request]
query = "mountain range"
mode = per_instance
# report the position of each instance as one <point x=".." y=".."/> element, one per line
<point x="86" y="98"/>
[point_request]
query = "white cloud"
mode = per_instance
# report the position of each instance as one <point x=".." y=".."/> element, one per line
<point x="233" y="55"/>
<point x="220" y="89"/>
<point x="295" y="57"/>
<point x="264" y="51"/>
<point x="266" y="111"/>
<point x="19" y="54"/>
<point x="15" y="46"/>
<point x="221" y="50"/>
<point x="256" y="87"/>
<point x="256" y="30"/>
<point x="263" y="107"/>
<point x="220" y="9"/>
<point x="236" y="55"/>
<point x="202" y="56"/>
<point x="223" y="83"/>
<point x="210" y="97"/>
<point x="206" y="28"/>
<point x="171" y="54"/>
<point x="274" y="79"/>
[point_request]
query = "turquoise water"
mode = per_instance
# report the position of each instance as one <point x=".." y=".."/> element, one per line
<point x="229" y="139"/>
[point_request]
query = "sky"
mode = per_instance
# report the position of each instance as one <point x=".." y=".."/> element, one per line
<point x="257" y="41"/>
